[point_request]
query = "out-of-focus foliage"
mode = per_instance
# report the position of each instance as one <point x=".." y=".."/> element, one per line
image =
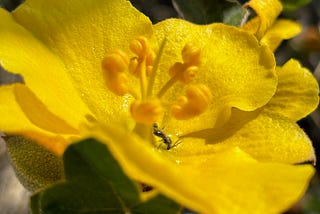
<point x="10" y="4"/>
<point x="311" y="202"/>
<point x="289" y="5"/>
<point x="204" y="11"/>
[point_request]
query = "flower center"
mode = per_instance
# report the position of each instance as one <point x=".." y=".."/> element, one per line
<point x="149" y="106"/>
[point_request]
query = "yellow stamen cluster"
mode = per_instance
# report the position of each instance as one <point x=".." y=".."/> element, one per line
<point x="194" y="103"/>
<point x="186" y="71"/>
<point x="148" y="108"/>
<point x="146" y="111"/>
<point x="145" y="57"/>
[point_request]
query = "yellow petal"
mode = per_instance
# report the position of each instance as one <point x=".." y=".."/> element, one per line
<point x="82" y="34"/>
<point x="238" y="71"/>
<point x="252" y="25"/>
<point x="38" y="114"/>
<point x="14" y="121"/>
<point x="43" y="72"/>
<point x="12" y="117"/>
<point x="227" y="182"/>
<point x="272" y="136"/>
<point x="267" y="11"/>
<point x="297" y="93"/>
<point x="266" y="137"/>
<point x="236" y="183"/>
<point x="280" y="30"/>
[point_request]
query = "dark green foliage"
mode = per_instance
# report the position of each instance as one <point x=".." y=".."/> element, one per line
<point x="209" y="11"/>
<point x="289" y="5"/>
<point x="95" y="183"/>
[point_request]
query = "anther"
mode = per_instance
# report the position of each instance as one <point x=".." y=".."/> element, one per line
<point x="114" y="67"/>
<point x="139" y="46"/>
<point x="146" y="111"/>
<point x="191" y="54"/>
<point x="184" y="72"/>
<point x="189" y="74"/>
<point x="144" y="55"/>
<point x="116" y="62"/>
<point x="196" y="101"/>
<point x="150" y="61"/>
<point x="133" y="67"/>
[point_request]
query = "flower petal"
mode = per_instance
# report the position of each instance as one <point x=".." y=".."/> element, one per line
<point x="236" y="183"/>
<point x="267" y="11"/>
<point x="81" y="34"/>
<point x="38" y="114"/>
<point x="12" y="117"/>
<point x="297" y="93"/>
<point x="227" y="182"/>
<point x="280" y="30"/>
<point x="43" y="72"/>
<point x="266" y="137"/>
<point x="252" y="25"/>
<point x="14" y="121"/>
<point x="238" y="71"/>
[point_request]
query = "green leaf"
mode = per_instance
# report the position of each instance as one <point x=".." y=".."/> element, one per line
<point x="289" y="5"/>
<point x="95" y="183"/>
<point x="208" y="11"/>
<point x="235" y="15"/>
<point x="97" y="164"/>
<point x="34" y="203"/>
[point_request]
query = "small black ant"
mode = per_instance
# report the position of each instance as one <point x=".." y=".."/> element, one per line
<point x="166" y="139"/>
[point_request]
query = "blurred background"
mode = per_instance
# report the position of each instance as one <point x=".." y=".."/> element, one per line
<point x="305" y="47"/>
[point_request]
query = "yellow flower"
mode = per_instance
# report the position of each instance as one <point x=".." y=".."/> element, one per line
<point x="266" y="27"/>
<point x="200" y="113"/>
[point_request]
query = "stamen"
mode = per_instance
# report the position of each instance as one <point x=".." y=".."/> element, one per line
<point x="184" y="72"/>
<point x="133" y="65"/>
<point x="150" y="62"/>
<point x="146" y="111"/>
<point x="191" y="54"/>
<point x="143" y="79"/>
<point x="139" y="46"/>
<point x="113" y="67"/>
<point x="196" y="101"/>
<point x="189" y="74"/>
<point x="141" y="65"/>
<point x="140" y="71"/>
